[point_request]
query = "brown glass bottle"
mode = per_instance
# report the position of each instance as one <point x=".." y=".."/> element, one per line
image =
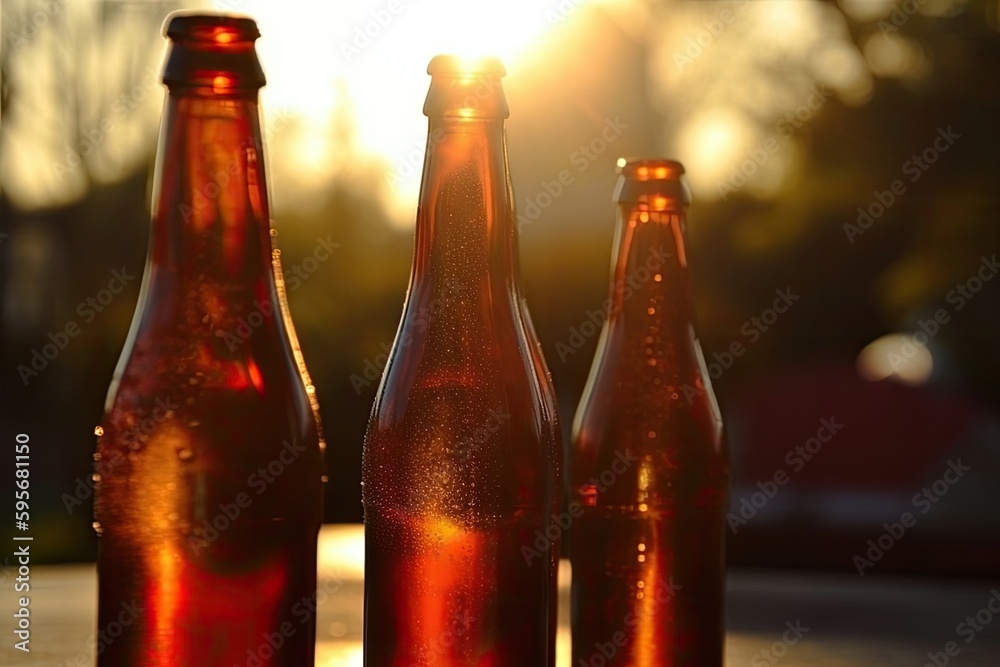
<point x="648" y="462"/>
<point x="210" y="462"/>
<point x="461" y="464"/>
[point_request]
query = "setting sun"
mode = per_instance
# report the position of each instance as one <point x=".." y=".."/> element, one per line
<point x="319" y="58"/>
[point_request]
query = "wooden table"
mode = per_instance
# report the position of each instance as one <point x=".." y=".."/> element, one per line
<point x="852" y="621"/>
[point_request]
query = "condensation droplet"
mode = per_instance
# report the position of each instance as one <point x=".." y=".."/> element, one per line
<point x="97" y="457"/>
<point x="651" y="362"/>
<point x="98" y="431"/>
<point x="96" y="477"/>
<point x="171" y="486"/>
<point x="641" y="558"/>
<point x="651" y="310"/>
<point x="185" y="454"/>
<point x="640" y="595"/>
<point x="642" y="546"/>
<point x="641" y="584"/>
<point x="325" y="479"/>
<point x="651" y="434"/>
<point x="97" y="528"/>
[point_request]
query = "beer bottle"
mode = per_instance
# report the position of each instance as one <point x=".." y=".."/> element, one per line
<point x="647" y="460"/>
<point x="461" y="461"/>
<point x="210" y="463"/>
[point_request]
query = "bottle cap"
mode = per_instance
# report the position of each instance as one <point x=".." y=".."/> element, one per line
<point x="213" y="51"/>
<point x="466" y="88"/>
<point x="651" y="183"/>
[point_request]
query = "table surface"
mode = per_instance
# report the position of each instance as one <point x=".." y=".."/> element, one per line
<point x="852" y="621"/>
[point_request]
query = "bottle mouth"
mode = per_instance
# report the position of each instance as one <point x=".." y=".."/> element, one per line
<point x="210" y="29"/>
<point x="651" y="184"/>
<point x="650" y="169"/>
<point x="212" y="54"/>
<point x="466" y="88"/>
<point x="464" y="68"/>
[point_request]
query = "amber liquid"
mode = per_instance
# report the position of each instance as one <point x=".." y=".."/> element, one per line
<point x="649" y="471"/>
<point x="212" y="556"/>
<point x="461" y="466"/>
<point x="209" y="494"/>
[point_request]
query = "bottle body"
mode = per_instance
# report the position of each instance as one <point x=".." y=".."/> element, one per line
<point x="461" y="463"/>
<point x="648" y="463"/>
<point x="209" y="497"/>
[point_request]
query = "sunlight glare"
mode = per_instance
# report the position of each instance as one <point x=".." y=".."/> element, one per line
<point x="310" y="50"/>
<point x="710" y="144"/>
<point x="898" y="356"/>
<point x="892" y="56"/>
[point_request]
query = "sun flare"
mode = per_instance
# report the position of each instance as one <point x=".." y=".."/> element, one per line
<point x="389" y="42"/>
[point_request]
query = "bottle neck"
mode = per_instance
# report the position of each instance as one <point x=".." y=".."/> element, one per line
<point x="210" y="211"/>
<point x="651" y="286"/>
<point x="465" y="236"/>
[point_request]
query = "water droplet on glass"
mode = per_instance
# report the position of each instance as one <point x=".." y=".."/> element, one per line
<point x="98" y="431"/>
<point x="97" y="457"/>
<point x="97" y="528"/>
<point x="185" y="454"/>
<point x="326" y="478"/>
<point x="171" y="486"/>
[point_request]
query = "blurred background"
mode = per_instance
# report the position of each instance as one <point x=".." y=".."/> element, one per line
<point x="843" y="232"/>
